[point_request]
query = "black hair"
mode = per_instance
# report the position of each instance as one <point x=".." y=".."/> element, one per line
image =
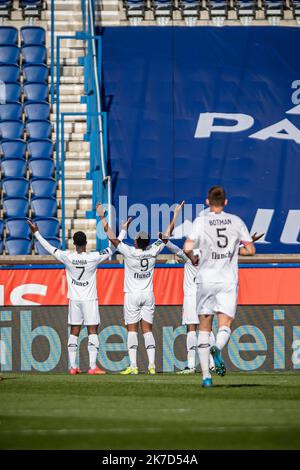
<point x="79" y="239"/>
<point x="142" y="240"/>
<point x="217" y="196"/>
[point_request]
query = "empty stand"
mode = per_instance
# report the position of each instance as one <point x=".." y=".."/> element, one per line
<point x="43" y="207"/>
<point x="34" y="54"/>
<point x="15" y="187"/>
<point x="38" y="129"/>
<point x="35" y="73"/>
<point x="32" y="35"/>
<point x="10" y="111"/>
<point x="9" y="73"/>
<point x="36" y="110"/>
<point x="42" y="148"/>
<point x="41" y="168"/>
<point x="13" y="148"/>
<point x="48" y="226"/>
<point x="35" y="91"/>
<point x="11" y="129"/>
<point x="13" y="168"/>
<point x="41" y="251"/>
<point x="43" y="187"/>
<point x="15" y="207"/>
<point x="17" y="228"/>
<point x="18" y="246"/>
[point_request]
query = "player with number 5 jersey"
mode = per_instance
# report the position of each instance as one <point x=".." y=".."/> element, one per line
<point x="218" y="235"/>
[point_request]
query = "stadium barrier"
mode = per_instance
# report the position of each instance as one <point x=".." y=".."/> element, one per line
<point x="33" y="320"/>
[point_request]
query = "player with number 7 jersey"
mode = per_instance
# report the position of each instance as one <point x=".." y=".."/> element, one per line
<point x="139" y="303"/>
<point x="81" y="272"/>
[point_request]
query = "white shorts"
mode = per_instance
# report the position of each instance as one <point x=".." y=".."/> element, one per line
<point x="138" y="307"/>
<point x="217" y="297"/>
<point x="83" y="312"/>
<point x="189" y="310"/>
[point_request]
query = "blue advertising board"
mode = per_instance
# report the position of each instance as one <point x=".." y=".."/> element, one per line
<point x="192" y="107"/>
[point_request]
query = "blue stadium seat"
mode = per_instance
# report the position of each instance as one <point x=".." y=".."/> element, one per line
<point x="10" y="111"/>
<point x="42" y="148"/>
<point x="38" y="129"/>
<point x="35" y="91"/>
<point x="16" y="207"/>
<point x="9" y="54"/>
<point x="39" y="250"/>
<point x="41" y="167"/>
<point x="43" y="207"/>
<point x="36" y="110"/>
<point x="34" y="54"/>
<point x="18" y="246"/>
<point x="31" y="8"/>
<point x="11" y="129"/>
<point x="8" y="35"/>
<point x="33" y="35"/>
<point x="15" y="187"/>
<point x="13" y="167"/>
<point x="9" y="73"/>
<point x="43" y="187"/>
<point x="6" y="8"/>
<point x="11" y="93"/>
<point x="36" y="73"/>
<point x="13" y="148"/>
<point x="17" y="227"/>
<point x="48" y="226"/>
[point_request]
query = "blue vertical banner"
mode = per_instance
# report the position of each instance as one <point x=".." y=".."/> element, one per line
<point x="192" y="107"/>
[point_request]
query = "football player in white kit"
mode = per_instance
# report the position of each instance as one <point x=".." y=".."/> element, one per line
<point x="218" y="236"/>
<point x="81" y="270"/>
<point x="189" y="311"/>
<point x="139" y="303"/>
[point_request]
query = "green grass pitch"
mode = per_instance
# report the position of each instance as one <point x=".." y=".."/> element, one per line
<point x="165" y="411"/>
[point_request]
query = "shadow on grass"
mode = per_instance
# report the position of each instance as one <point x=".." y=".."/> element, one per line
<point x="2" y="379"/>
<point x="238" y="385"/>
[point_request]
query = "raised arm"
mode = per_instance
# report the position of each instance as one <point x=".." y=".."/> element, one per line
<point x="52" y="250"/>
<point x="107" y="229"/>
<point x="171" y="226"/>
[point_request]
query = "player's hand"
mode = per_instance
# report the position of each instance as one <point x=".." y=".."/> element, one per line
<point x="126" y="224"/>
<point x="163" y="237"/>
<point x="256" y="237"/>
<point x="99" y="209"/>
<point x="179" y="207"/>
<point x="33" y="227"/>
<point x="195" y="260"/>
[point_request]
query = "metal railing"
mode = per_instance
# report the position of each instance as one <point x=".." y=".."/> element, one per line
<point x="96" y="133"/>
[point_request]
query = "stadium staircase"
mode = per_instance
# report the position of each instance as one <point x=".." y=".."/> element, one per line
<point x="78" y="189"/>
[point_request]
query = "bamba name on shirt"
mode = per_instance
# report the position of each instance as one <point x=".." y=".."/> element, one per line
<point x="79" y="261"/>
<point x="220" y="222"/>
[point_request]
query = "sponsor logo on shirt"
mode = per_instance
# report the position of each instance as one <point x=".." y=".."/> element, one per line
<point x="142" y="275"/>
<point x="81" y="284"/>
<point x="216" y="255"/>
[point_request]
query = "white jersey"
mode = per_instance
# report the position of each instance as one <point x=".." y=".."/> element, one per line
<point x="218" y="237"/>
<point x="81" y="269"/>
<point x="190" y="271"/>
<point x="139" y="266"/>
